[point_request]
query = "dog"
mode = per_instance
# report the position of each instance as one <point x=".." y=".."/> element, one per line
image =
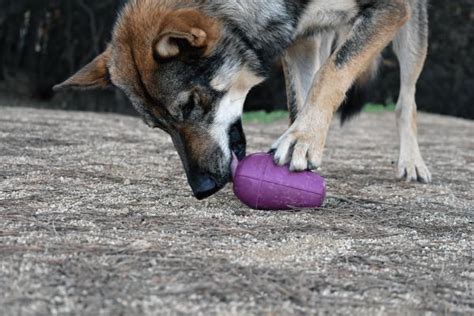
<point x="188" y="65"/>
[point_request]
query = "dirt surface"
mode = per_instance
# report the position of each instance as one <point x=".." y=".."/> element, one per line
<point x="96" y="218"/>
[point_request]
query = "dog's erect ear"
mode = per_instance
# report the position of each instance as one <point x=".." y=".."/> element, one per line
<point x="198" y="30"/>
<point x="94" y="75"/>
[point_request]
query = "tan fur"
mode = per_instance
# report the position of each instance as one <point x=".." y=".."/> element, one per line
<point x="139" y="31"/>
<point x="189" y="24"/>
<point x="327" y="94"/>
<point x="94" y="75"/>
<point x="302" y="50"/>
<point x="129" y="59"/>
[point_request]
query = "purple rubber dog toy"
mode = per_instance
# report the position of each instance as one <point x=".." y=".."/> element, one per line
<point x="260" y="184"/>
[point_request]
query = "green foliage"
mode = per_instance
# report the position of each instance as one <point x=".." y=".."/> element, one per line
<point x="264" y="117"/>
<point x="377" y="108"/>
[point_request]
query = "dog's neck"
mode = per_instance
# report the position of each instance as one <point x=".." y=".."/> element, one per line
<point x="268" y="28"/>
<point x="265" y="28"/>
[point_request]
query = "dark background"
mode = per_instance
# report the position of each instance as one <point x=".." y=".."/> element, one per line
<point x="42" y="42"/>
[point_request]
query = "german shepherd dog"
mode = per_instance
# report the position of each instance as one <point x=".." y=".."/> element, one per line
<point x="187" y="66"/>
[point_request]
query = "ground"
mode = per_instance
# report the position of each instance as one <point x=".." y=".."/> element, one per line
<point x="96" y="217"/>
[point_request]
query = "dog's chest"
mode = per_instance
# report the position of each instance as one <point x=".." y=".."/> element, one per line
<point x="327" y="14"/>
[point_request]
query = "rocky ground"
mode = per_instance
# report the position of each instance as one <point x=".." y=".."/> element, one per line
<point x="96" y="218"/>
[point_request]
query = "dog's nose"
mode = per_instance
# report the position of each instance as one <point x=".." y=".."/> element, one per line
<point x="204" y="186"/>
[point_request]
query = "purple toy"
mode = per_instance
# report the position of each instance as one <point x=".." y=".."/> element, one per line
<point x="260" y="184"/>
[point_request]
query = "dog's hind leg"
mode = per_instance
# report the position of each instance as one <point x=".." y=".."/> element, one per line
<point x="411" y="45"/>
<point x="300" y="64"/>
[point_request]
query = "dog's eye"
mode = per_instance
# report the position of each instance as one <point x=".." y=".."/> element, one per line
<point x="189" y="107"/>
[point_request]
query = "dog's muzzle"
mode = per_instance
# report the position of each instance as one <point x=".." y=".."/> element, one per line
<point x="205" y="185"/>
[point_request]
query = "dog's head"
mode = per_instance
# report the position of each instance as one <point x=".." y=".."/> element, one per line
<point x="180" y="73"/>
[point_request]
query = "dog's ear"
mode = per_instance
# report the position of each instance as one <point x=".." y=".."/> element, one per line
<point x="94" y="75"/>
<point x="199" y="31"/>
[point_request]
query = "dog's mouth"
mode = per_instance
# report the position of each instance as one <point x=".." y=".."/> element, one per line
<point x="205" y="184"/>
<point x="237" y="140"/>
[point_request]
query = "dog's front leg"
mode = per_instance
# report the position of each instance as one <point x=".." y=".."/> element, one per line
<point x="303" y="144"/>
<point x="301" y="62"/>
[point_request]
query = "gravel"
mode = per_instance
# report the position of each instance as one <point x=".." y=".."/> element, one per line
<point x="96" y="217"/>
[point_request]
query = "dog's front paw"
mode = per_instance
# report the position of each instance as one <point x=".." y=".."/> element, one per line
<point x="413" y="169"/>
<point x="300" y="148"/>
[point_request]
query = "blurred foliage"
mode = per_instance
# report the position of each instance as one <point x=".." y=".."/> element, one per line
<point x="264" y="117"/>
<point x="376" y="108"/>
<point x="44" y="41"/>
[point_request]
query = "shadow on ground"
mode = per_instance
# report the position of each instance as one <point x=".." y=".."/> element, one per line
<point x="96" y="216"/>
